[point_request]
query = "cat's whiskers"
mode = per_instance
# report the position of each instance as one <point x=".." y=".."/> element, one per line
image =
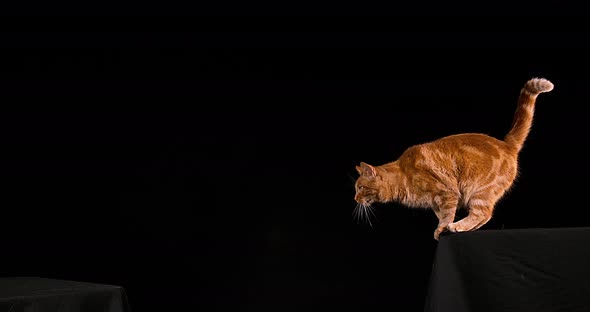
<point x="368" y="209"/>
<point x="357" y="213"/>
<point x="363" y="212"/>
<point x="372" y="211"/>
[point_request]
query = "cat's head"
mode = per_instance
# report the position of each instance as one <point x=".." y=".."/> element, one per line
<point x="367" y="184"/>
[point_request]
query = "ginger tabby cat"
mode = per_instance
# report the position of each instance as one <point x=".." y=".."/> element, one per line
<point x="469" y="170"/>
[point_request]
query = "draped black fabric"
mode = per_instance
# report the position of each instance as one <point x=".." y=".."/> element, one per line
<point x="35" y="294"/>
<point x="545" y="269"/>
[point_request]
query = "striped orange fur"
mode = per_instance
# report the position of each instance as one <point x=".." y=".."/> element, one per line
<point x="468" y="170"/>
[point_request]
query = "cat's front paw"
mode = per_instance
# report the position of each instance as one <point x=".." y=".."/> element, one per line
<point x="437" y="232"/>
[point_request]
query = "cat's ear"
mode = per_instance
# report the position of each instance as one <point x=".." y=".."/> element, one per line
<point x="367" y="170"/>
<point x="359" y="170"/>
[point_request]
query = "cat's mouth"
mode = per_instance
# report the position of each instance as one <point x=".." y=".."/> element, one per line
<point x="365" y="203"/>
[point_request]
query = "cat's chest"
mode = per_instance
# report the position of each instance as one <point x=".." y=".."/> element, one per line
<point x="421" y="200"/>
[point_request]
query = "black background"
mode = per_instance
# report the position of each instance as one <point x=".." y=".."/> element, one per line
<point x="207" y="164"/>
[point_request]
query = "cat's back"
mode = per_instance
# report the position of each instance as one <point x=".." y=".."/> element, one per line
<point x="466" y="142"/>
<point x="455" y="150"/>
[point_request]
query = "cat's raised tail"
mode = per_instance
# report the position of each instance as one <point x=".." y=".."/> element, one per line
<point x="523" y="117"/>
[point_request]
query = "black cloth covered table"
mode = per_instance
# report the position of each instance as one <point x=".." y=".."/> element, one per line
<point x="36" y="294"/>
<point x="511" y="270"/>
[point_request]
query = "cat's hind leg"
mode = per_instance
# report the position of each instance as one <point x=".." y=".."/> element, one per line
<point x="480" y="212"/>
<point x="481" y="223"/>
